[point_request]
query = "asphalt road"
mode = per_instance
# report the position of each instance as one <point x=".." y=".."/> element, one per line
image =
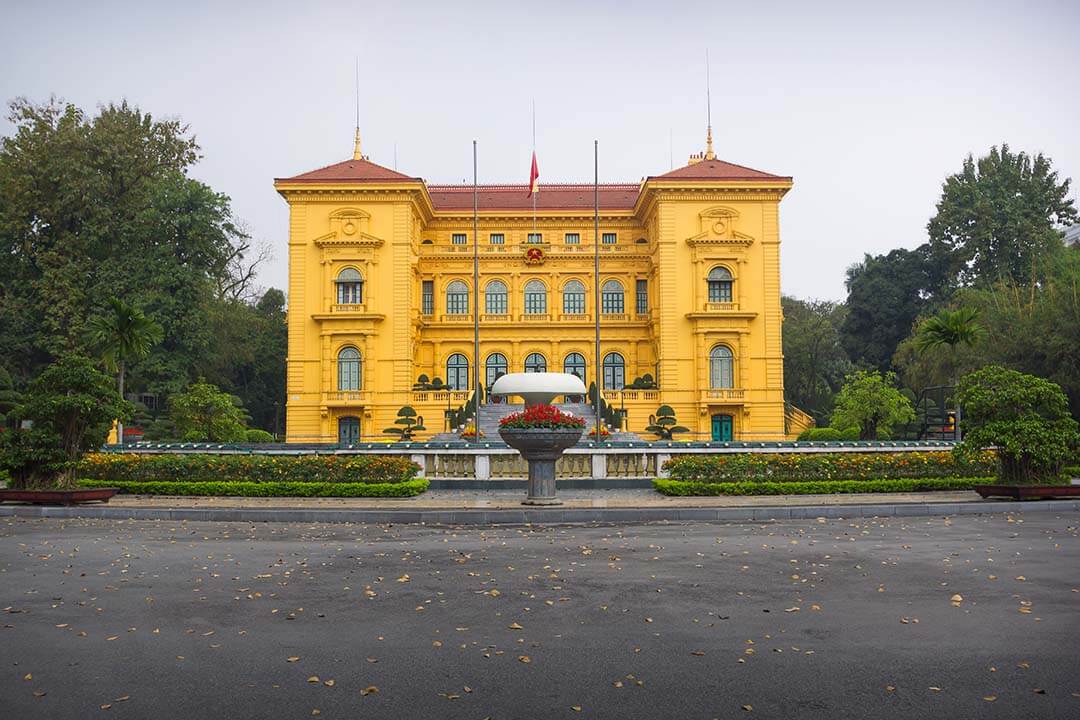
<point x="827" y="619"/>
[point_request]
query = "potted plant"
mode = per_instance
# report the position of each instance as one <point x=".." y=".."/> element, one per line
<point x="663" y="423"/>
<point x="470" y="432"/>
<point x="67" y="410"/>
<point x="1026" y="420"/>
<point x="541" y="433"/>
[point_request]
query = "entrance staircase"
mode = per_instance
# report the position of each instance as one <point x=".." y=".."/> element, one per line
<point x="492" y="413"/>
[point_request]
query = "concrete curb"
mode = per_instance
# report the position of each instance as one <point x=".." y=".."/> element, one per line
<point x="524" y="516"/>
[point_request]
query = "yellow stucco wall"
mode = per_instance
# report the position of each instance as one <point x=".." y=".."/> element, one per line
<point x="675" y="234"/>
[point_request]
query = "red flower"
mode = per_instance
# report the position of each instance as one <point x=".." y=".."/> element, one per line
<point x="542" y="416"/>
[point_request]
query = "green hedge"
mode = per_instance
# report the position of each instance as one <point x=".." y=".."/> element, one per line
<point x="407" y="488"/>
<point x="197" y="468"/>
<point x="815" y="487"/>
<point x="780" y="467"/>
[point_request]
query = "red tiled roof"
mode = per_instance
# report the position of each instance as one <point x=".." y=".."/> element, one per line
<point x="516" y="197"/>
<point x="717" y="170"/>
<point x="350" y="171"/>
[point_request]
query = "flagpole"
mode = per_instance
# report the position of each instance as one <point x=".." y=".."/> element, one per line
<point x="476" y="302"/>
<point x="596" y="281"/>
<point x="534" y="156"/>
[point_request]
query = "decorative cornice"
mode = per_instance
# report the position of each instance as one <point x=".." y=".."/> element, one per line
<point x="360" y="239"/>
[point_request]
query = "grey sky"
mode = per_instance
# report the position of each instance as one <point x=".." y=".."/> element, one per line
<point x="868" y="105"/>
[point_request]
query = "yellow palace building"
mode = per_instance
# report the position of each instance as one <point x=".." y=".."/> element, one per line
<point x="381" y="297"/>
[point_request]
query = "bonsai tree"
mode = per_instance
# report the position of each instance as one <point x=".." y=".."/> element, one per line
<point x="122" y="334"/>
<point x="68" y="409"/>
<point x="951" y="329"/>
<point x="203" y="413"/>
<point x="422" y="383"/>
<point x="870" y="401"/>
<point x="662" y="424"/>
<point x="407" y="423"/>
<point x="1024" y="417"/>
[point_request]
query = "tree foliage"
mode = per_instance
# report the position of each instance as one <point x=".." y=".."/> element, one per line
<point x="102" y="206"/>
<point x="406" y="425"/>
<point x="1025" y="417"/>
<point x="871" y="402"/>
<point x="203" y="413"/>
<point x="998" y="218"/>
<point x="886" y="295"/>
<point x="815" y="362"/>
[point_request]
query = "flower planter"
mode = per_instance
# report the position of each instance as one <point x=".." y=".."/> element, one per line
<point x="1028" y="492"/>
<point x="541" y="447"/>
<point x="58" y="497"/>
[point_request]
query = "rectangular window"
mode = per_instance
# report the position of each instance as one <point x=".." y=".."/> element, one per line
<point x="612" y="303"/>
<point x="642" y="297"/>
<point x="535" y="238"/>
<point x="573" y="303"/>
<point x="720" y="291"/>
<point x="457" y="303"/>
<point x="495" y="303"/>
<point x="609" y="238"/>
<point x="573" y="239"/>
<point x="427" y="298"/>
<point x="497" y="239"/>
<point x="459" y="239"/>
<point x="536" y="303"/>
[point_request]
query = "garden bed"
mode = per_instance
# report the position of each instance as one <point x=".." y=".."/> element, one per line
<point x="408" y="488"/>
<point x="813" y="487"/>
<point x="204" y="467"/>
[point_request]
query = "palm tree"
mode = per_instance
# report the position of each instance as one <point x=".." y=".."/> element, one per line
<point x="121" y="335"/>
<point x="950" y="328"/>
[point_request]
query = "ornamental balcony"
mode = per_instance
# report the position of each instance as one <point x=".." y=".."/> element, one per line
<point x="536" y="317"/>
<point x="714" y="395"/>
<point x="347" y="398"/>
<point x="614" y="397"/>
<point x="456" y="318"/>
<point x="721" y="307"/>
<point x="495" y="317"/>
<point x="348" y="308"/>
<point x="451" y="397"/>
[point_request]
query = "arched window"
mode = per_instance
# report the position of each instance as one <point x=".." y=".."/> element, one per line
<point x="574" y="364"/>
<point x="494" y="367"/>
<point x="535" y="298"/>
<point x="457" y="298"/>
<point x="457" y="372"/>
<point x="720" y="285"/>
<point x="573" y="298"/>
<point x="350" y="287"/>
<point x="495" y="298"/>
<point x="611" y="298"/>
<point x="721" y="367"/>
<point x="348" y="369"/>
<point x="535" y="362"/>
<point x="614" y="372"/>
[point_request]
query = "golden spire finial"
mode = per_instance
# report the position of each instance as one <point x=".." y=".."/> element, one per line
<point x="709" y="154"/>
<point x="356" y="154"/>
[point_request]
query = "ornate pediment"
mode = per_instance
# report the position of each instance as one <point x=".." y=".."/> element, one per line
<point x="718" y="228"/>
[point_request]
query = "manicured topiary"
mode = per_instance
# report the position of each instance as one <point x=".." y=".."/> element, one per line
<point x="662" y="424"/>
<point x="408" y="423"/>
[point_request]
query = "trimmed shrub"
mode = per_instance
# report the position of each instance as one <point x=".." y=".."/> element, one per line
<point x="199" y="468"/>
<point x="255" y="435"/>
<point x="407" y="488"/>
<point x="742" y="467"/>
<point x="813" y="487"/>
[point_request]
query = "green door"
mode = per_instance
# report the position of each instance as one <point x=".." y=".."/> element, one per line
<point x="721" y="428"/>
<point x="348" y="431"/>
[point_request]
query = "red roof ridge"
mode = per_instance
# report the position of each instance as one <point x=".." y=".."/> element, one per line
<point x="452" y="187"/>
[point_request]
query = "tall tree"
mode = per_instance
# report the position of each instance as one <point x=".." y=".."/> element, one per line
<point x="98" y="207"/>
<point x="886" y="294"/>
<point x="999" y="217"/>
<point x="815" y="362"/>
<point x="871" y="402"/>
<point x="950" y="329"/>
<point x="121" y="335"/>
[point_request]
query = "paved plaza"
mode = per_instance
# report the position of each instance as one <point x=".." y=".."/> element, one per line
<point x="966" y="617"/>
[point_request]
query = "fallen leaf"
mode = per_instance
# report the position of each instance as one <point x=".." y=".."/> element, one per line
<point x="575" y="708"/>
<point x="328" y="683"/>
<point x="369" y="690"/>
<point x="515" y="626"/>
<point x="28" y="676"/>
<point x="39" y="693"/>
<point x="292" y="658"/>
<point x="698" y="653"/>
<point x="373" y="660"/>
<point x="747" y="708"/>
<point x="112" y="637"/>
<point x="935" y="689"/>
<point x="313" y="679"/>
<point x="106" y="706"/>
<point x="525" y="659"/>
<point x="989" y="698"/>
<point x="122" y="698"/>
